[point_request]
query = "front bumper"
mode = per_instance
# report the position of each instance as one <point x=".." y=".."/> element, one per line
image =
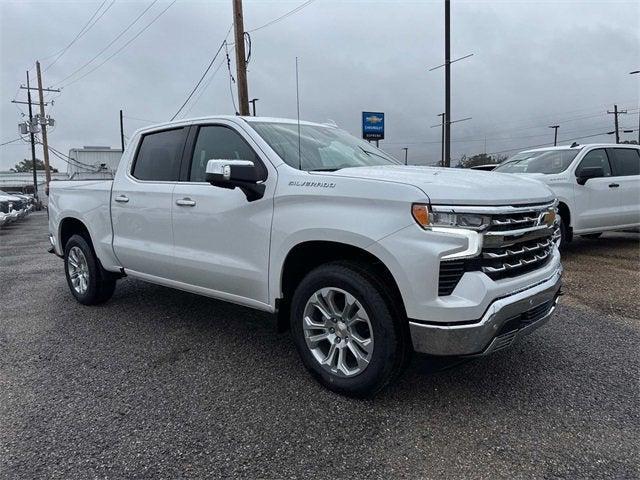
<point x="506" y="320"/>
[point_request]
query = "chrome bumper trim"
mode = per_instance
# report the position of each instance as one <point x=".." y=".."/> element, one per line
<point x="481" y="337"/>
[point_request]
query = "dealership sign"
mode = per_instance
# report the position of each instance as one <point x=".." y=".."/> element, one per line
<point x="372" y="125"/>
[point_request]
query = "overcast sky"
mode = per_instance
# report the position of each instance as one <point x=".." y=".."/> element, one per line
<point x="535" y="64"/>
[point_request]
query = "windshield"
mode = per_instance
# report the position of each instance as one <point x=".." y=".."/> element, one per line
<point x="540" y="161"/>
<point x="321" y="148"/>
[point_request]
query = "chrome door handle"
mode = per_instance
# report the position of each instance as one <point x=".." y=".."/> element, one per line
<point x="122" y="199"/>
<point x="613" y="185"/>
<point x="186" y="202"/>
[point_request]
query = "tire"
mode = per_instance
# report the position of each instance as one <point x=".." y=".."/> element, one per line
<point x="565" y="235"/>
<point x="89" y="283"/>
<point x="373" y="318"/>
<point x="592" y="236"/>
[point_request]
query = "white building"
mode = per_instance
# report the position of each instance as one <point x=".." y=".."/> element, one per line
<point x="93" y="162"/>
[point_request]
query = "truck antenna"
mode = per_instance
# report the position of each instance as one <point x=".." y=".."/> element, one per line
<point x="298" y="108"/>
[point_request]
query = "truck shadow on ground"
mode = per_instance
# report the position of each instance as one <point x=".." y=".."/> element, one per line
<point x="228" y="332"/>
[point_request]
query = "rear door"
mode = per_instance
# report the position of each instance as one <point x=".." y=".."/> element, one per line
<point x="141" y="203"/>
<point x="221" y="239"/>
<point x="626" y="169"/>
<point x="597" y="201"/>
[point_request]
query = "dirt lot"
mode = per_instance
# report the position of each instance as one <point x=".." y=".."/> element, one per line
<point x="164" y="384"/>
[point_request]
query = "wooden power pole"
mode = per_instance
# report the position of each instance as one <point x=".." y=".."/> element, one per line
<point x="33" y="142"/>
<point x="241" y="59"/>
<point x="43" y="124"/>
<point x="447" y="84"/>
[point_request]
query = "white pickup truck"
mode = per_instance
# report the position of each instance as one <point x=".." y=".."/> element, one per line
<point x="364" y="259"/>
<point x="597" y="185"/>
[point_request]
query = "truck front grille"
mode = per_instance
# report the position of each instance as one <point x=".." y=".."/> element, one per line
<point x="515" y="243"/>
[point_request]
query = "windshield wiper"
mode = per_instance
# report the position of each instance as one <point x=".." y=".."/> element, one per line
<point x="323" y="170"/>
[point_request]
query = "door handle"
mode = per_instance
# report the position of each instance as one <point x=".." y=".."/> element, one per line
<point x="122" y="199"/>
<point x="186" y="202"/>
<point x="614" y="185"/>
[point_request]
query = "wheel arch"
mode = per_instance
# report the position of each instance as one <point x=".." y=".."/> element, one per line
<point x="307" y="255"/>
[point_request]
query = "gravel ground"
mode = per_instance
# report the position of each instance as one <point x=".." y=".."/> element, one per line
<point x="163" y="384"/>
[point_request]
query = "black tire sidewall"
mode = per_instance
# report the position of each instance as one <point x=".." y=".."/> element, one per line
<point x="385" y="330"/>
<point x="92" y="295"/>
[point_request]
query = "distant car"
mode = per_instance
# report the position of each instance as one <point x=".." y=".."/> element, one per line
<point x="597" y="185"/>
<point x="10" y="207"/>
<point x="21" y="203"/>
<point x="488" y="167"/>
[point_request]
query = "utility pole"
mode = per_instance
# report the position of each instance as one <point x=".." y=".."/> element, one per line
<point x="555" y="134"/>
<point x="241" y="59"/>
<point x="33" y="143"/>
<point x="406" y="153"/>
<point x="441" y="115"/>
<point x="615" y="113"/>
<point x="253" y="104"/>
<point x="447" y="83"/>
<point x="121" y="132"/>
<point x="43" y="123"/>
<point x="635" y="72"/>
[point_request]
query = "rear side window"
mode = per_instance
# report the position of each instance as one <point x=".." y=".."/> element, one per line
<point x="159" y="156"/>
<point x="216" y="142"/>
<point x="595" y="158"/>
<point x="626" y="161"/>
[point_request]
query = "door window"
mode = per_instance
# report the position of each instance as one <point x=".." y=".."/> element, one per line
<point x="159" y="155"/>
<point x="595" y="158"/>
<point x="216" y="142"/>
<point x="626" y="161"/>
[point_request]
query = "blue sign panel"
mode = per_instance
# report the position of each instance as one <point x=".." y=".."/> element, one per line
<point x="372" y="125"/>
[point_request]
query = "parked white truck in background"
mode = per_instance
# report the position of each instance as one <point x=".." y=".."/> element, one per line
<point x="366" y="260"/>
<point x="597" y="186"/>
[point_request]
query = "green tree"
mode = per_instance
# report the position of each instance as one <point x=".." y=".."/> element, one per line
<point x="27" y="166"/>
<point x="481" y="159"/>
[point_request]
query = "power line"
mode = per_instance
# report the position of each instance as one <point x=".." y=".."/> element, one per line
<point x="11" y="141"/>
<point x="202" y="77"/>
<point x="231" y="79"/>
<point x="123" y="46"/>
<point x="88" y="26"/>
<point x="204" y="88"/>
<point x="282" y="17"/>
<point x="547" y="143"/>
<point x="126" y="29"/>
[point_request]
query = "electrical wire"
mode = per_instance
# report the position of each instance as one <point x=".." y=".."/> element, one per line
<point x="282" y="17"/>
<point x="122" y="47"/>
<point x="88" y="26"/>
<point x="201" y="79"/>
<point x="204" y="88"/>
<point x="11" y="141"/>
<point x="231" y="79"/>
<point x="126" y="29"/>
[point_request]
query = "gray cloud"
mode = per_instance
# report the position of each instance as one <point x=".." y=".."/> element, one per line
<point x="534" y="64"/>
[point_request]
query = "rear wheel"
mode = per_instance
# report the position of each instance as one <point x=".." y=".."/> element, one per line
<point x="89" y="283"/>
<point x="345" y="331"/>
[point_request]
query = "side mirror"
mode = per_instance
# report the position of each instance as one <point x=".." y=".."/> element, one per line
<point x="235" y="173"/>
<point x="589" y="172"/>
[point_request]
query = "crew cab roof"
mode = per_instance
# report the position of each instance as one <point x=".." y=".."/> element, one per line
<point x="579" y="147"/>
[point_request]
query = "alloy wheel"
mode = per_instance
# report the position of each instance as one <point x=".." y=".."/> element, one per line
<point x="338" y="332"/>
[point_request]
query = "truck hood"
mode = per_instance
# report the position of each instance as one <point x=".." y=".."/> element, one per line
<point x="458" y="186"/>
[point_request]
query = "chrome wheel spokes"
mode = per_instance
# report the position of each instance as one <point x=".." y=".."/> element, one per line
<point x="338" y="332"/>
<point x="78" y="270"/>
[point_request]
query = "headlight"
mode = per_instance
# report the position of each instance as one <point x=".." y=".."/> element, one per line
<point x="426" y="218"/>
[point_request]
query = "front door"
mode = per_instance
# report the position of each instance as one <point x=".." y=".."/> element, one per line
<point x="597" y="202"/>
<point x="141" y="204"/>
<point x="221" y="239"/>
<point x="626" y="166"/>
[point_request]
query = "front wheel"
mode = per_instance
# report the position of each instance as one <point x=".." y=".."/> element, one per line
<point x="89" y="283"/>
<point x="346" y="332"/>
